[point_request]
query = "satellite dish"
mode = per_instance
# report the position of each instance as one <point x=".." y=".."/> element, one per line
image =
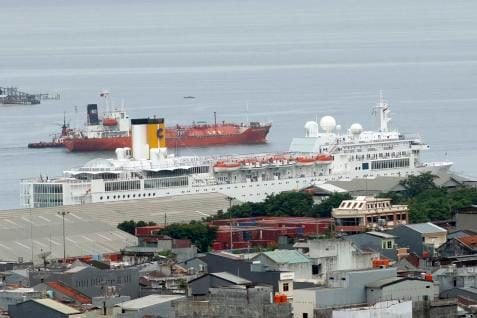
<point x="356" y="129"/>
<point x="328" y="123"/>
<point x="311" y="129"/>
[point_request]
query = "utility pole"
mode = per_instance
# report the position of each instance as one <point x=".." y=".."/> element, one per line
<point x="31" y="237"/>
<point x="63" y="213"/>
<point x="230" y="199"/>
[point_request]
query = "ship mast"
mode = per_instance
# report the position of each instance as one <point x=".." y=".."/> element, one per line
<point x="382" y="113"/>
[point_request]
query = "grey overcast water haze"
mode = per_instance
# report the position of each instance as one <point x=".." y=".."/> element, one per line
<point x="290" y="61"/>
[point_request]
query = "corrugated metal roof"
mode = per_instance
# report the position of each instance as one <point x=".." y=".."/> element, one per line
<point x="231" y="278"/>
<point x="381" y="234"/>
<point x="53" y="304"/>
<point x="426" y="228"/>
<point x="286" y="256"/>
<point x="385" y="281"/>
<point x="91" y="228"/>
<point x="147" y="301"/>
<point x="328" y="187"/>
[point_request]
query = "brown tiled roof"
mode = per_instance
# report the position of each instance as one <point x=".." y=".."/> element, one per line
<point x="470" y="241"/>
<point x="70" y="292"/>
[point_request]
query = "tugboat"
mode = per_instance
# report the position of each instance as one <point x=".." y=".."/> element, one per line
<point x="58" y="140"/>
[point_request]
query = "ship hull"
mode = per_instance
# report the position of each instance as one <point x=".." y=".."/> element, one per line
<point x="250" y="135"/>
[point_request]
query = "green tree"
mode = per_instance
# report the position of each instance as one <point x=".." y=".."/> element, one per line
<point x="326" y="206"/>
<point x="130" y="226"/>
<point x="285" y="204"/>
<point x="415" y="185"/>
<point x="199" y="233"/>
<point x="428" y="202"/>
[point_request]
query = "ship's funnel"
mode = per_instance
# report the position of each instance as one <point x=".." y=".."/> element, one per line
<point x="92" y="110"/>
<point x="147" y="133"/>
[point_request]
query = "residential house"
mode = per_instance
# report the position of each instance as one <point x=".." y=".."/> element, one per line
<point x="368" y="214"/>
<point x="422" y="238"/>
<point x="287" y="261"/>
<point x="334" y="254"/>
<point x="459" y="246"/>
<point x="382" y="243"/>
<point x="401" y="288"/>
<point x="200" y="286"/>
<point x="450" y="277"/>
<point x="281" y="281"/>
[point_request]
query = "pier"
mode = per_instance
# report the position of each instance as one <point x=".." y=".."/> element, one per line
<point x="11" y="95"/>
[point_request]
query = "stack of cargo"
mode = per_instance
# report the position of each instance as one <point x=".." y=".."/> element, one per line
<point x="265" y="231"/>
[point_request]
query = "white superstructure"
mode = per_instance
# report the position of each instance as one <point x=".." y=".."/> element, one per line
<point x="324" y="154"/>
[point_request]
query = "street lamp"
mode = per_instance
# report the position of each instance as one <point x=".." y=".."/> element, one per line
<point x="63" y="213"/>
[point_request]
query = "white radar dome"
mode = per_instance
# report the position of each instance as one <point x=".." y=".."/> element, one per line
<point x="328" y="123"/>
<point x="311" y="129"/>
<point x="356" y="129"/>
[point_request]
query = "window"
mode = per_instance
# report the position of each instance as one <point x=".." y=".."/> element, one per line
<point x="390" y="244"/>
<point x="305" y="315"/>
<point x="315" y="269"/>
<point x="365" y="166"/>
<point x="285" y="287"/>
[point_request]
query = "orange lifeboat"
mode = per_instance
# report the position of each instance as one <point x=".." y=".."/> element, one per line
<point x="305" y="161"/>
<point x="109" y="122"/>
<point x="222" y="166"/>
<point x="324" y="159"/>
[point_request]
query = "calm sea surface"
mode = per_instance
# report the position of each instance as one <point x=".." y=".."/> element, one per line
<point x="291" y="61"/>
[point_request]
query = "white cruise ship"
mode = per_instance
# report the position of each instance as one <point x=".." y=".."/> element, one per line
<point x="147" y="171"/>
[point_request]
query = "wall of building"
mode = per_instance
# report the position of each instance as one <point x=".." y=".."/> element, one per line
<point x="304" y="302"/>
<point x="414" y="290"/>
<point x="231" y="303"/>
<point x="388" y="309"/>
<point x="343" y="288"/>
<point x="405" y="237"/>
<point x="436" y="239"/>
<point x="339" y="254"/>
<point x="466" y="221"/>
<point x="11" y="297"/>
<point x="434" y="309"/>
<point x="449" y="278"/>
<point x="165" y="309"/>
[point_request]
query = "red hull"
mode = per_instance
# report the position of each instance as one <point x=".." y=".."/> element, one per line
<point x="194" y="137"/>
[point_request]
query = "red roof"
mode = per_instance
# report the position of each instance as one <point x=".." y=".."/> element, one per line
<point x="70" y="292"/>
<point x="470" y="241"/>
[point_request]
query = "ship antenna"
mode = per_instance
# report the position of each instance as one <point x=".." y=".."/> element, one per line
<point x="381" y="110"/>
<point x="246" y="111"/>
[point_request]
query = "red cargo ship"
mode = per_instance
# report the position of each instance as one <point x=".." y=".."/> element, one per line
<point x="181" y="136"/>
<point x="113" y="131"/>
